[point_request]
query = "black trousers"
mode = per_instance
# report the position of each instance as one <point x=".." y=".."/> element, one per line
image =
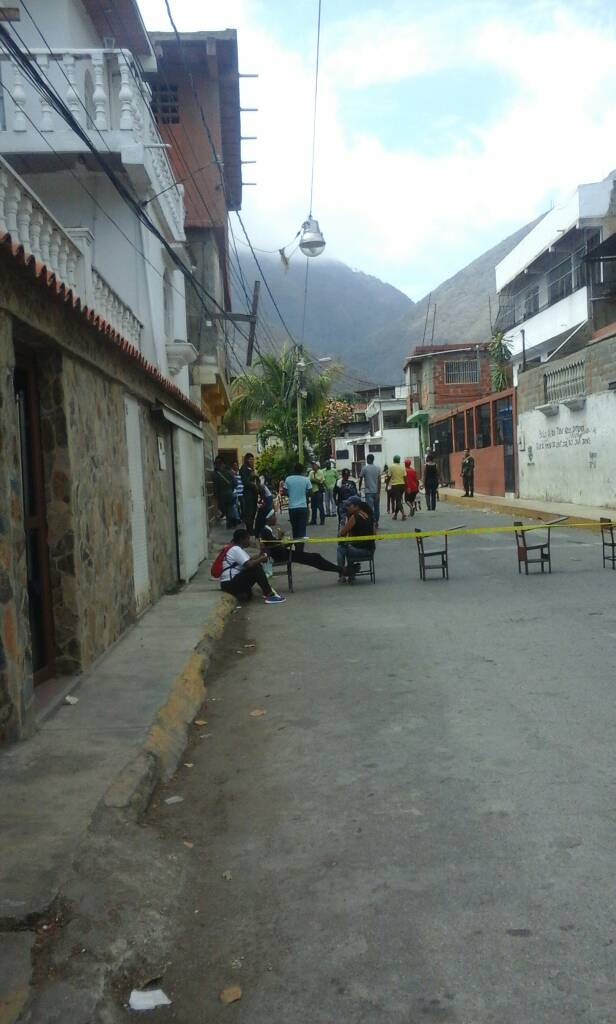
<point x="469" y="484"/>
<point x="245" y="581"/>
<point x="315" y="560"/>
<point x="299" y="520"/>
<point x="431" y="498"/>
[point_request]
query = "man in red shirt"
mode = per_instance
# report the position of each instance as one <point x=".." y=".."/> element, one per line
<point x="411" y="487"/>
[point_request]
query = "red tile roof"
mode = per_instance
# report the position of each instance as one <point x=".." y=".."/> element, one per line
<point x="61" y="291"/>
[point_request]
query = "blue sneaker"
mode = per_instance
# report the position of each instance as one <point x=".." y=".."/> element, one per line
<point x="275" y="599"/>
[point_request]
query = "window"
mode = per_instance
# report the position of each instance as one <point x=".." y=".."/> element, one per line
<point x="165" y="103"/>
<point x="458" y="431"/>
<point x="470" y="429"/>
<point x="484" y="426"/>
<point x="567" y="382"/>
<point x="342" y="453"/>
<point x="503" y="421"/>
<point x="394" y="420"/>
<point x="462" y="372"/>
<point x="441" y="436"/>
<point x="560" y="281"/>
<point x="375" y="448"/>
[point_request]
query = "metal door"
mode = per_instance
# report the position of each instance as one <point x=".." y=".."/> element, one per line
<point x="141" y="574"/>
<point x="190" y="492"/>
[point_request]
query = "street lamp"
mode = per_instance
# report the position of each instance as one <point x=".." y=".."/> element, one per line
<point x="312" y="242"/>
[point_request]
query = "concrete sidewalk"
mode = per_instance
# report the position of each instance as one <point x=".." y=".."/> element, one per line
<point x="125" y="733"/>
<point x="528" y="508"/>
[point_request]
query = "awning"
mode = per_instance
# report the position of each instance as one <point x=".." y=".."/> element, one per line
<point x="179" y="421"/>
<point x="417" y="418"/>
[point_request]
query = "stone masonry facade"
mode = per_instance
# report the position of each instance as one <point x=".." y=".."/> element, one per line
<point x="82" y="383"/>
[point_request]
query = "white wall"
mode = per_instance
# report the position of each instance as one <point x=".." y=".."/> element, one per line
<point x="588" y="202"/>
<point x="404" y="442"/>
<point x="550" y="322"/>
<point x="570" y="456"/>
<point x="116" y="254"/>
<point x="64" y="23"/>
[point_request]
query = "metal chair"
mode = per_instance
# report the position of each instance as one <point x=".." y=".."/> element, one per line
<point x="440" y="554"/>
<point x="608" y="541"/>
<point x="530" y="554"/>
<point x="369" y="570"/>
<point x="285" y="568"/>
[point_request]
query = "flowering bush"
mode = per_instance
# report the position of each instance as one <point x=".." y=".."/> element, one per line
<point x="321" y="430"/>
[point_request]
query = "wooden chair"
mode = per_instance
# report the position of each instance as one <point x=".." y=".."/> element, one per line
<point x="608" y="541"/>
<point x="285" y="568"/>
<point x="441" y="554"/>
<point x="539" y="554"/>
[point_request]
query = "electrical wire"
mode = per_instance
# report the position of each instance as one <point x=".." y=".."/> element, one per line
<point x="314" y="113"/>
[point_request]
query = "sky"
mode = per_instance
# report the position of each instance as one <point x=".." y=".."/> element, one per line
<point x="442" y="126"/>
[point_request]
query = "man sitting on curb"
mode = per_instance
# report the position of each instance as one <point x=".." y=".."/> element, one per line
<point x="240" y="572"/>
<point x="359" y="523"/>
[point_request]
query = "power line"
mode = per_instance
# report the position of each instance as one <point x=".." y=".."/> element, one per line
<point x="314" y="113"/>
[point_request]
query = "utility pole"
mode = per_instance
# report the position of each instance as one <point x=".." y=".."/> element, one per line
<point x="300" y="366"/>
<point x="253" y="323"/>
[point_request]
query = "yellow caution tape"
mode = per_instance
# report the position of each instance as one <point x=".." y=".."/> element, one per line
<point x="457" y="530"/>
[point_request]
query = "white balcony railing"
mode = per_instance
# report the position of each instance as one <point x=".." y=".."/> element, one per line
<point x="107" y="96"/>
<point x="31" y="225"/>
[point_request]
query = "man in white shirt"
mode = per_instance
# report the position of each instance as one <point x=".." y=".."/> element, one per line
<point x="370" y="477"/>
<point x="240" y="572"/>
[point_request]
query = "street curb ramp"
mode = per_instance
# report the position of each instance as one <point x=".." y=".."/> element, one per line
<point x="162" y="749"/>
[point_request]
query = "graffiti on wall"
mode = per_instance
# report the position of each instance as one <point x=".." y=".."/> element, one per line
<point x="574" y="435"/>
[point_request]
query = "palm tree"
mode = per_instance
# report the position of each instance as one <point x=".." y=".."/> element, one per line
<point x="500" y="362"/>
<point x="270" y="395"/>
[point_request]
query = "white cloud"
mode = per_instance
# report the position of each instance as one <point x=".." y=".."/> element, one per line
<point x="404" y="215"/>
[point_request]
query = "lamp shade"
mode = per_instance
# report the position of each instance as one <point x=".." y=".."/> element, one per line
<point x="312" y="242"/>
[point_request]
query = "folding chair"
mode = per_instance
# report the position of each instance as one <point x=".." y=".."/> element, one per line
<point x="285" y="568"/>
<point x="608" y="541"/>
<point x="539" y="554"/>
<point x="426" y="553"/>
<point x="368" y="560"/>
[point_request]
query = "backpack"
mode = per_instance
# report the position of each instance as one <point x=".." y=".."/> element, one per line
<point x="219" y="562"/>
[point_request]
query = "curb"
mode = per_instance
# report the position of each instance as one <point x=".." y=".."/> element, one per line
<point x="162" y="748"/>
<point x="485" y="502"/>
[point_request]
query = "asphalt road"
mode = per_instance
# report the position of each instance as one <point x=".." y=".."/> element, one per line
<point x="421" y="827"/>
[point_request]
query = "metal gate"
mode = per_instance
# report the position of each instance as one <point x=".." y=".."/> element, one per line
<point x="141" y="574"/>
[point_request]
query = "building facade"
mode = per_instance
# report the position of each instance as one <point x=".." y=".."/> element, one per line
<point x="195" y="95"/>
<point x="102" y="499"/>
<point x="487" y="429"/>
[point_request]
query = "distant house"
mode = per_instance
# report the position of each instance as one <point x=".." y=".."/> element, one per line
<point x="383" y="433"/>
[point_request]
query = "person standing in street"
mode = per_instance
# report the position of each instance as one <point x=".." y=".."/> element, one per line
<point x="468" y="474"/>
<point x="238" y="493"/>
<point x="345" y="488"/>
<point x="250" y="481"/>
<point x="223" y="489"/>
<point x="298" y="488"/>
<point x="370" y="477"/>
<point x="431" y="482"/>
<point x="330" y="476"/>
<point x="411" y="486"/>
<point x="398" y="481"/>
<point x="317" y="489"/>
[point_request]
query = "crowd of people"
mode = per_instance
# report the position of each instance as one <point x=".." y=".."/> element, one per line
<point x="245" y="497"/>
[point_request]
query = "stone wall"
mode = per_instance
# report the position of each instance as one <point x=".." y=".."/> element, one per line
<point x="82" y="383"/>
<point x="16" y="694"/>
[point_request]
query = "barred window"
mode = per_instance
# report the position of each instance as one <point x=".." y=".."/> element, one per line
<point x="462" y="372"/>
<point x="342" y="453"/>
<point x="165" y="103"/>
<point x="567" y="382"/>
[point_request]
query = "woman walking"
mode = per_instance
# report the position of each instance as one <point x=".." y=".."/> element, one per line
<point x="411" y="485"/>
<point x="397" y="483"/>
<point x="431" y="482"/>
